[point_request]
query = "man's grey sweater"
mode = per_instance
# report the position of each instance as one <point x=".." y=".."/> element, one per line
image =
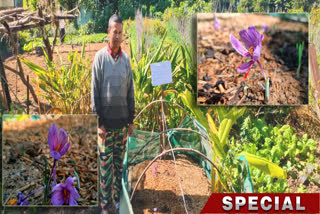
<point x="112" y="91"/>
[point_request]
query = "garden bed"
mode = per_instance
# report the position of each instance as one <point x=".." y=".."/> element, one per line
<point x="159" y="191"/>
<point x="219" y="82"/>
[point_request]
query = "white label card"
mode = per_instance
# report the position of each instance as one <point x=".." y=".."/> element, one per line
<point x="161" y="73"/>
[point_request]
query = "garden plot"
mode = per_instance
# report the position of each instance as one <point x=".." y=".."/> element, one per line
<point x="219" y="81"/>
<point x="159" y="190"/>
<point x="25" y="148"/>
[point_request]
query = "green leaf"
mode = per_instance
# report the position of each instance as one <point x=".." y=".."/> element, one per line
<point x="264" y="165"/>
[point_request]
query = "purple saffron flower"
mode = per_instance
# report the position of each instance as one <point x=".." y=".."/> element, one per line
<point x="265" y="28"/>
<point x="154" y="171"/>
<point x="252" y="40"/>
<point x="57" y="141"/>
<point x="216" y="23"/>
<point x="22" y="200"/>
<point x="65" y="193"/>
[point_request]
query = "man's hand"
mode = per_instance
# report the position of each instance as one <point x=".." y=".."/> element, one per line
<point x="102" y="133"/>
<point x="130" y="130"/>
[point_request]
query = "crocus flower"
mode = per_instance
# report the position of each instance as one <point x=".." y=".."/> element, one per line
<point x="57" y="141"/>
<point x="154" y="171"/>
<point x="265" y="28"/>
<point x="65" y="193"/>
<point x="216" y="23"/>
<point x="252" y="40"/>
<point x="21" y="200"/>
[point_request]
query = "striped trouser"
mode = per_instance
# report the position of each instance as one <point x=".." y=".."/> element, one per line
<point x="111" y="154"/>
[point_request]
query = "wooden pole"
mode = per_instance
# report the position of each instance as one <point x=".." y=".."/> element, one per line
<point x="163" y="120"/>
<point x="315" y="77"/>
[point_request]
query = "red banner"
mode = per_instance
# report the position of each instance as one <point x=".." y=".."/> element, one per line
<point x="263" y="203"/>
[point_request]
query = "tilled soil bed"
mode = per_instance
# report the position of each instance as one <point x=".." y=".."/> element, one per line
<point x="219" y="82"/>
<point x="159" y="190"/>
<point x="25" y="144"/>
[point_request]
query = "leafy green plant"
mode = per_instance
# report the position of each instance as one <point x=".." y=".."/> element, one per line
<point x="219" y="137"/>
<point x="278" y="144"/>
<point x="87" y="28"/>
<point x="65" y="86"/>
<point x="92" y="38"/>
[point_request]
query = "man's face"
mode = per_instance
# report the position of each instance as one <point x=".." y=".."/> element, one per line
<point x="115" y="34"/>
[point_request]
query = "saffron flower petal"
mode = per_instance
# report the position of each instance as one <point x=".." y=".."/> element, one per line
<point x="56" y="155"/>
<point x="253" y="41"/>
<point x="65" y="193"/>
<point x="21" y="201"/>
<point x="69" y="181"/>
<point x="254" y="35"/>
<point x="53" y="136"/>
<point x="57" y="198"/>
<point x="57" y="140"/>
<point x="216" y="23"/>
<point x="246" y="39"/>
<point x="63" y="137"/>
<point x="238" y="46"/>
<point x="265" y="28"/>
<point x="256" y="52"/>
<point x="64" y="149"/>
<point x="244" y="67"/>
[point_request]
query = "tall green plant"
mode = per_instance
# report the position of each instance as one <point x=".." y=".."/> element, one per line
<point x="219" y="137"/>
<point x="65" y="86"/>
<point x="180" y="57"/>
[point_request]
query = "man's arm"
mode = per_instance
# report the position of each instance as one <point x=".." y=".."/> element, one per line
<point x="95" y="89"/>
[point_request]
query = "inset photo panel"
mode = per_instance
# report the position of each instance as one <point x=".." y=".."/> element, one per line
<point x="49" y="160"/>
<point x="252" y="59"/>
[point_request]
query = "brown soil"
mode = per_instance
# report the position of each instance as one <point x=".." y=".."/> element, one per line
<point x="18" y="91"/>
<point x="159" y="188"/>
<point x="218" y="62"/>
<point x="25" y="142"/>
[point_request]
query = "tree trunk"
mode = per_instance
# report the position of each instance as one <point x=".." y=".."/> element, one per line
<point x="45" y="36"/>
<point x="20" y="73"/>
<point x="4" y="84"/>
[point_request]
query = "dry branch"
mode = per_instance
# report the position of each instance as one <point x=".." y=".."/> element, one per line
<point x="65" y="16"/>
<point x="22" y="28"/>
<point x="13" y="11"/>
<point x="23" y="21"/>
<point x="7" y="18"/>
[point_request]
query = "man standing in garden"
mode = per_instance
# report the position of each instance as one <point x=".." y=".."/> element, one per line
<point x="112" y="97"/>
